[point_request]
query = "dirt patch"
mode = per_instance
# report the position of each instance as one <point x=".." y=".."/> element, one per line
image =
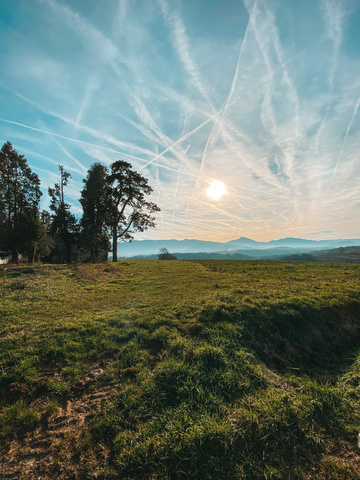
<point x="100" y="272"/>
<point x="341" y="462"/>
<point x="44" y="453"/>
<point x="86" y="272"/>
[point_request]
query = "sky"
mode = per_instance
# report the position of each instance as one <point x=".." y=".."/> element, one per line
<point x="260" y="95"/>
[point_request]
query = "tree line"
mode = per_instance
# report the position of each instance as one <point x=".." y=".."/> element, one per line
<point x="114" y="203"/>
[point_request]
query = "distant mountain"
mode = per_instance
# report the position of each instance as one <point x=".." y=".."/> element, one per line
<point x="196" y="256"/>
<point x="239" y="248"/>
<point x="149" y="247"/>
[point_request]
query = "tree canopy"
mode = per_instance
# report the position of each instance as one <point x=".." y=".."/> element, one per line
<point x="128" y="209"/>
<point x="63" y="226"/>
<point x="19" y="203"/>
<point x="114" y="204"/>
<point x="93" y="200"/>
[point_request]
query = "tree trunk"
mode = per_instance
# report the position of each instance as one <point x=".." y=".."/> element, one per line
<point x="15" y="256"/>
<point x="114" y="242"/>
<point x="34" y="253"/>
<point x="68" y="251"/>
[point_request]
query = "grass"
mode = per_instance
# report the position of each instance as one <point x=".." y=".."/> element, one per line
<point x="182" y="370"/>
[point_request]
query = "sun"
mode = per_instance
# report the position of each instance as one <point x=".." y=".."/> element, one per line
<point x="216" y="190"/>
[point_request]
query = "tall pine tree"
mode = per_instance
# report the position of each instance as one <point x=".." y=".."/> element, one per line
<point x="19" y="204"/>
<point x="95" y="232"/>
<point x="63" y="226"/>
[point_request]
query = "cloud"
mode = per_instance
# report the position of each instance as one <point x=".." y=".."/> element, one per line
<point x="262" y="96"/>
<point x="82" y="142"/>
<point x="181" y="44"/>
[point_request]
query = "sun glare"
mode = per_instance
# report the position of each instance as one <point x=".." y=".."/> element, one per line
<point x="216" y="190"/>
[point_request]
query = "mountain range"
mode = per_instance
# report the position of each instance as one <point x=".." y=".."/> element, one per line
<point x="241" y="248"/>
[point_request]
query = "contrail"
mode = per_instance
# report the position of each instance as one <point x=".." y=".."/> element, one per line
<point x="352" y="118"/>
<point x="47" y="132"/>
<point x="187" y="135"/>
<point x="180" y="140"/>
<point x="333" y="17"/>
<point x="212" y="138"/>
<point x="68" y="154"/>
<point x="212" y="117"/>
<point x="356" y="108"/>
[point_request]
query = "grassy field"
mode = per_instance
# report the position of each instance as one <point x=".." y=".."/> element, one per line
<point x="180" y="370"/>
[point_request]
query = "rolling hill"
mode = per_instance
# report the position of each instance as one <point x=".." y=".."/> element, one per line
<point x="241" y="248"/>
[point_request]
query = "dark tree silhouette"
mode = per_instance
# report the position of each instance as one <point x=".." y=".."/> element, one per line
<point x="95" y="233"/>
<point x="164" y="254"/>
<point x="128" y="210"/>
<point x="19" y="204"/>
<point x="42" y="245"/>
<point x="63" y="227"/>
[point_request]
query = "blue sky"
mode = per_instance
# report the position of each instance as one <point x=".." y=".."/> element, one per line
<point x="262" y="95"/>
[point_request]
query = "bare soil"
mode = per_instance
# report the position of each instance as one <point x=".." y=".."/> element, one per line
<point x="44" y="453"/>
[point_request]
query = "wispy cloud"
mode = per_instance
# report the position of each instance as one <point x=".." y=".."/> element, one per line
<point x="75" y="140"/>
<point x="334" y="15"/>
<point x="263" y="96"/>
<point x="181" y="44"/>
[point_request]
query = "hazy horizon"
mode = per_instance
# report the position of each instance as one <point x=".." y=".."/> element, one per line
<point x="259" y="96"/>
<point x="242" y="237"/>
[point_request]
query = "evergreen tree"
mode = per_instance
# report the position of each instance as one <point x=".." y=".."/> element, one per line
<point x="42" y="244"/>
<point x="63" y="226"/>
<point x="19" y="203"/>
<point x="128" y="211"/>
<point x="95" y="232"/>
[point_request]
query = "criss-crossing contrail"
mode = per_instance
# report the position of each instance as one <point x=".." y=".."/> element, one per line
<point x="356" y="108"/>
<point x="212" y="138"/>
<point x="48" y="132"/>
<point x="159" y="155"/>
<point x="82" y="142"/>
<point x="212" y="117"/>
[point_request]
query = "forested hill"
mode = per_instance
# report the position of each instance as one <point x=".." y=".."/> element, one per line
<point x="238" y="249"/>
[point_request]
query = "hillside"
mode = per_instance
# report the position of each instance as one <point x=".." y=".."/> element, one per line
<point x="180" y="370"/>
<point x="340" y="255"/>
<point x="336" y="255"/>
<point x="240" y="248"/>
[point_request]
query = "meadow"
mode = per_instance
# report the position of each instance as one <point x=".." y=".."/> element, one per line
<point x="173" y="370"/>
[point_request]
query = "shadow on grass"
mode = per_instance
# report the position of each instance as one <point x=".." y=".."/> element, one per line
<point x="320" y="343"/>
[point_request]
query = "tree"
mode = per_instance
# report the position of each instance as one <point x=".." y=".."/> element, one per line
<point x="42" y="244"/>
<point x="127" y="209"/>
<point x="19" y="203"/>
<point x="95" y="232"/>
<point x="63" y="223"/>
<point x="164" y="254"/>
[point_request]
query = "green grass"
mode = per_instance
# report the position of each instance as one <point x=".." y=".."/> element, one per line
<point x="221" y="369"/>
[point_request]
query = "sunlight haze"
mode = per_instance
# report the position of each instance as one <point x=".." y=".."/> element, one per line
<point x="216" y="190"/>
